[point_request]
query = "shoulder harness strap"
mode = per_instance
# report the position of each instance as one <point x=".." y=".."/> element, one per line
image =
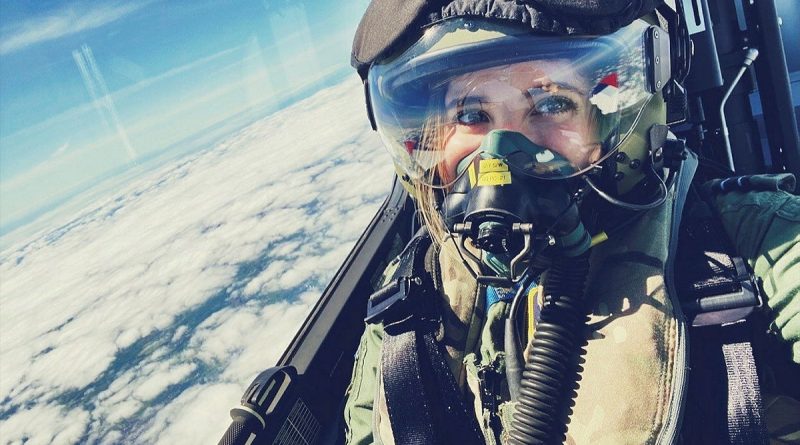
<point x="425" y="403"/>
<point x="718" y="293"/>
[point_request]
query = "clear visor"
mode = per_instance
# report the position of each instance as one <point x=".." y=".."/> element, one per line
<point x="574" y="98"/>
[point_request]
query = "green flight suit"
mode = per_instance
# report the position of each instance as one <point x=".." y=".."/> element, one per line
<point x="765" y="228"/>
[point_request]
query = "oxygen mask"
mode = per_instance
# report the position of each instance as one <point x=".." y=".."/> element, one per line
<point x="508" y="214"/>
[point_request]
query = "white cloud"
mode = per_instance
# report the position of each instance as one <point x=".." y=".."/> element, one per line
<point x="158" y="382"/>
<point x="145" y="317"/>
<point x="189" y="419"/>
<point x="60" y="150"/>
<point x="64" y="22"/>
<point x="62" y="426"/>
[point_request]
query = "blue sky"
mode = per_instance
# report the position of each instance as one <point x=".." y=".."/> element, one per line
<point x="89" y="89"/>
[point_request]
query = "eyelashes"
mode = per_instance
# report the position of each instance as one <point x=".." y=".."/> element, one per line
<point x="553" y="107"/>
<point x="471" y="117"/>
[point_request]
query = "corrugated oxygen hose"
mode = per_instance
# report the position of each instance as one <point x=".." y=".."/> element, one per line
<point x="552" y="368"/>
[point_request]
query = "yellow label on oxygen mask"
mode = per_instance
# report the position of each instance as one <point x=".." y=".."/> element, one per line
<point x="494" y="178"/>
<point x="493" y="165"/>
<point x="493" y="172"/>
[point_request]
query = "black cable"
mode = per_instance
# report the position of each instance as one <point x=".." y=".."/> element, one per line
<point x="629" y="205"/>
<point x="511" y="342"/>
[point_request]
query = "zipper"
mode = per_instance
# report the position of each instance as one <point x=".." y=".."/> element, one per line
<point x="672" y="427"/>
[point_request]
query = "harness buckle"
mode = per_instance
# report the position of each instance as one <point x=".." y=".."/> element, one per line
<point x="390" y="303"/>
<point x="727" y="308"/>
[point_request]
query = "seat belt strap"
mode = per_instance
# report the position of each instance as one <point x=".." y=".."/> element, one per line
<point x="424" y="401"/>
<point x="746" y="424"/>
<point x="409" y="409"/>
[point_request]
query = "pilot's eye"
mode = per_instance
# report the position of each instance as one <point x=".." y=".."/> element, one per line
<point x="471" y="117"/>
<point x="553" y="105"/>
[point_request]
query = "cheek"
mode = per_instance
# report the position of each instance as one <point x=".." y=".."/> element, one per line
<point x="566" y="137"/>
<point x="457" y="147"/>
<point x="572" y="141"/>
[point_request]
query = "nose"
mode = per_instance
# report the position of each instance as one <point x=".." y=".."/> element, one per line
<point x="507" y="126"/>
<point x="511" y="116"/>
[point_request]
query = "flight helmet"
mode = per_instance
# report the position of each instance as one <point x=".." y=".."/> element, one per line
<point x="595" y="76"/>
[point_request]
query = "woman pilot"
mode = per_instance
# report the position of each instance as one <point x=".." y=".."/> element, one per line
<point x="533" y="137"/>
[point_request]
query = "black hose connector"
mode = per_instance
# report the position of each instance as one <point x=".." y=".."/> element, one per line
<point x="552" y="368"/>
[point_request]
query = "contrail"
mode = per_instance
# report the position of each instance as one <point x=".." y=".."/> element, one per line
<point x="96" y="85"/>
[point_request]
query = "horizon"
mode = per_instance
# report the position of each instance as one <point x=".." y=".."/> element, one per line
<point x="92" y="91"/>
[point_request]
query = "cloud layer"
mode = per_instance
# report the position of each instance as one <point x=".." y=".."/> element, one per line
<point x="143" y="319"/>
<point x="66" y="21"/>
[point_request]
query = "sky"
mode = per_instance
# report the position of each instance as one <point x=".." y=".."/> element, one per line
<point x="93" y="89"/>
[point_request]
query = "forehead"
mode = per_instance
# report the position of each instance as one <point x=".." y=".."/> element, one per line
<point x="523" y="76"/>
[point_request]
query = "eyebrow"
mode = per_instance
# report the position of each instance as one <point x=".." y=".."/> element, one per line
<point x="560" y="85"/>
<point x="464" y="100"/>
